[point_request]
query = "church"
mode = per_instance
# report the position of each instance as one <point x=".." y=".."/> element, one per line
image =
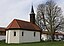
<point x="19" y="31"/>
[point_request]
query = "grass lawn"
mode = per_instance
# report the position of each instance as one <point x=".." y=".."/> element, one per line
<point x="60" y="43"/>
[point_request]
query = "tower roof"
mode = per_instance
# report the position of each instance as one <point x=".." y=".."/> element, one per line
<point x="32" y="10"/>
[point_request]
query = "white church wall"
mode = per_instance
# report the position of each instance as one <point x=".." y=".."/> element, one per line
<point x="10" y="38"/>
<point x="29" y="36"/>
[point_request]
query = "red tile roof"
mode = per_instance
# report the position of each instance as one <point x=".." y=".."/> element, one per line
<point x="59" y="33"/>
<point x="20" y="24"/>
<point x="2" y="29"/>
<point x="49" y="33"/>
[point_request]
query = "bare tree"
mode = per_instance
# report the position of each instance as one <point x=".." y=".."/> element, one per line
<point x="49" y="16"/>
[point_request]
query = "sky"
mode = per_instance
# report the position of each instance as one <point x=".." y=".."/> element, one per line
<point x="19" y="9"/>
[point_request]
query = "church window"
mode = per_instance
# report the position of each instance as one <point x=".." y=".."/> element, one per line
<point x="22" y="33"/>
<point x="14" y="33"/>
<point x="34" y="34"/>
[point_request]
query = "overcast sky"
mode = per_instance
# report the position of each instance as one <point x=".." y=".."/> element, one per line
<point x="19" y="9"/>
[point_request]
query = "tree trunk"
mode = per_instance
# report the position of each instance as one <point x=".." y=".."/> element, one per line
<point x="52" y="36"/>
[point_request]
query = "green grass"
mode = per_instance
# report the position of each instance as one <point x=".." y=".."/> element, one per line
<point x="55" y="43"/>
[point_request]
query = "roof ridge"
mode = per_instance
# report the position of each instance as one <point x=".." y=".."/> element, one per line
<point x="11" y="23"/>
<point x="22" y="20"/>
<point x="18" y="23"/>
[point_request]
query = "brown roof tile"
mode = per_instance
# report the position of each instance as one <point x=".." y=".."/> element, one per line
<point x="2" y="29"/>
<point x="49" y="33"/>
<point x="23" y="25"/>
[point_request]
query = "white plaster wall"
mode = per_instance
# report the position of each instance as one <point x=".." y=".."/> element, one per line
<point x="48" y="37"/>
<point x="44" y="37"/>
<point x="10" y="38"/>
<point x="59" y="37"/>
<point x="2" y="37"/>
<point x="29" y="36"/>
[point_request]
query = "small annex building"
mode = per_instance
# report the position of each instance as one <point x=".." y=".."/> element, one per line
<point x="57" y="36"/>
<point x="19" y="31"/>
<point x="2" y="33"/>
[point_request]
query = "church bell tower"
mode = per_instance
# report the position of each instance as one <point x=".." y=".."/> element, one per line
<point x="32" y="16"/>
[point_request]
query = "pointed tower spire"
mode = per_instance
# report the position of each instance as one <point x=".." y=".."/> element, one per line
<point x="32" y="10"/>
<point x="32" y="15"/>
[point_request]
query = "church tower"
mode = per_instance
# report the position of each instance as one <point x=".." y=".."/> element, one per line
<point x="32" y="16"/>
